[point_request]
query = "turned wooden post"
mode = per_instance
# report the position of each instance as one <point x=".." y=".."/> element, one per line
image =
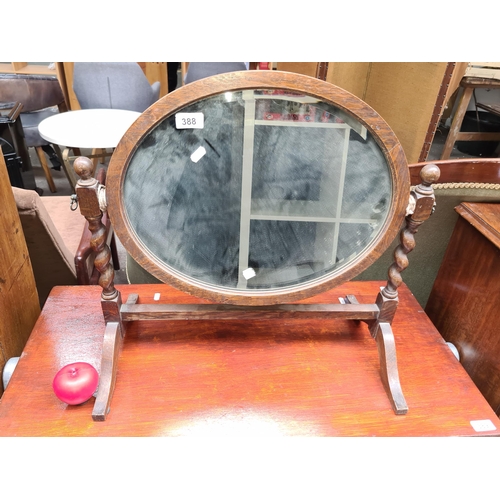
<point x="422" y="201"/>
<point x="420" y="208"/>
<point x="90" y="198"/>
<point x="88" y="193"/>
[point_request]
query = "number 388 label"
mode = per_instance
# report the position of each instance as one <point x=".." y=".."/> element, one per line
<point x="189" y="120"/>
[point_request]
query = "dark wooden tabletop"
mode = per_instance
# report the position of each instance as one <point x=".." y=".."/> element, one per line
<point x="259" y="377"/>
<point x="484" y="217"/>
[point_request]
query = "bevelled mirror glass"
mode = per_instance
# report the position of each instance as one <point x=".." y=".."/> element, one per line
<point x="256" y="189"/>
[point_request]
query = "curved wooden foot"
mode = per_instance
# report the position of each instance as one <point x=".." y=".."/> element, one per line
<point x="389" y="368"/>
<point x="109" y="363"/>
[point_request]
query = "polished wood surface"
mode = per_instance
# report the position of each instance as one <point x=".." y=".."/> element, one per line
<point x="465" y="298"/>
<point x="19" y="305"/>
<point x="484" y="217"/>
<point x="258" y="377"/>
<point x="477" y="170"/>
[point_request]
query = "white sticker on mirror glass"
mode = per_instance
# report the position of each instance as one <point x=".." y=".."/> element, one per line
<point x="198" y="154"/>
<point x="248" y="273"/>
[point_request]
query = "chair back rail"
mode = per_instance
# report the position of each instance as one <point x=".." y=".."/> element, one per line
<point x="35" y="92"/>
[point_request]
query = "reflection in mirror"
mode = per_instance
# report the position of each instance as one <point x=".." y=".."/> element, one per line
<point x="257" y="190"/>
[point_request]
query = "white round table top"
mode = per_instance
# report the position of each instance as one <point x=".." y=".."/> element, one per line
<point x="88" y="128"/>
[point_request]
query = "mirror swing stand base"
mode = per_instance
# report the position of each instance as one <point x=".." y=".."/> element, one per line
<point x="378" y="316"/>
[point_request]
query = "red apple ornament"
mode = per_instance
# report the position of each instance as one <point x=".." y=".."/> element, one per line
<point x="75" y="383"/>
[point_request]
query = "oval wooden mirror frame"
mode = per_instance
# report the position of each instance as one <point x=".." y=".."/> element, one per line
<point x="261" y="80"/>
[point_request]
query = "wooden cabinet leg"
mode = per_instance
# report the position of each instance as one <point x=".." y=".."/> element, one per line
<point x="109" y="363"/>
<point x="389" y="368"/>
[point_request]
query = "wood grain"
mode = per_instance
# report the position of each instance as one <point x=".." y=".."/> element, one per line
<point x="19" y="305"/>
<point x="484" y="217"/>
<point x="465" y="298"/>
<point x="478" y="170"/>
<point x="242" y="378"/>
<point x="112" y="343"/>
<point x="223" y="312"/>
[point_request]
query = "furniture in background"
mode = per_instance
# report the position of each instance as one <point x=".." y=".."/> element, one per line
<point x="172" y="75"/>
<point x="314" y="69"/>
<point x="19" y="304"/>
<point x="58" y="240"/>
<point x="198" y="70"/>
<point x="474" y="180"/>
<point x="14" y="149"/>
<point x="465" y="299"/>
<point x="41" y="97"/>
<point x="260" y="377"/>
<point x="113" y="85"/>
<point x="411" y="96"/>
<point x="469" y="85"/>
<point x="154" y="72"/>
<point x="96" y="129"/>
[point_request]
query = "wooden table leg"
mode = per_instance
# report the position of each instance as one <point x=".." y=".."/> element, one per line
<point x="110" y="353"/>
<point x="457" y="123"/>
<point x="389" y="368"/>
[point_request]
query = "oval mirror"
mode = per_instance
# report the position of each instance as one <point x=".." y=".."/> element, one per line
<point x="257" y="187"/>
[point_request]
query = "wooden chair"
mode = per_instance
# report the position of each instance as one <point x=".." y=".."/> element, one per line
<point x="113" y="85"/>
<point x="58" y="241"/>
<point x="475" y="180"/>
<point x="469" y="84"/>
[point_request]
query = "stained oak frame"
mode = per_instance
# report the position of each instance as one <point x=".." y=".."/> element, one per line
<point x="236" y="81"/>
<point x="251" y="304"/>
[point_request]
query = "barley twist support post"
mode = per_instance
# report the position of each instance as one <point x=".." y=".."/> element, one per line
<point x="87" y="192"/>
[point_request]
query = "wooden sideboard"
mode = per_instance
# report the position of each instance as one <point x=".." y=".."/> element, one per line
<point x="465" y="299"/>
<point x="266" y="377"/>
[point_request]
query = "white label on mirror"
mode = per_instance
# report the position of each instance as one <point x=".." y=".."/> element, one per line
<point x="198" y="154"/>
<point x="248" y="273"/>
<point x="189" y="120"/>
